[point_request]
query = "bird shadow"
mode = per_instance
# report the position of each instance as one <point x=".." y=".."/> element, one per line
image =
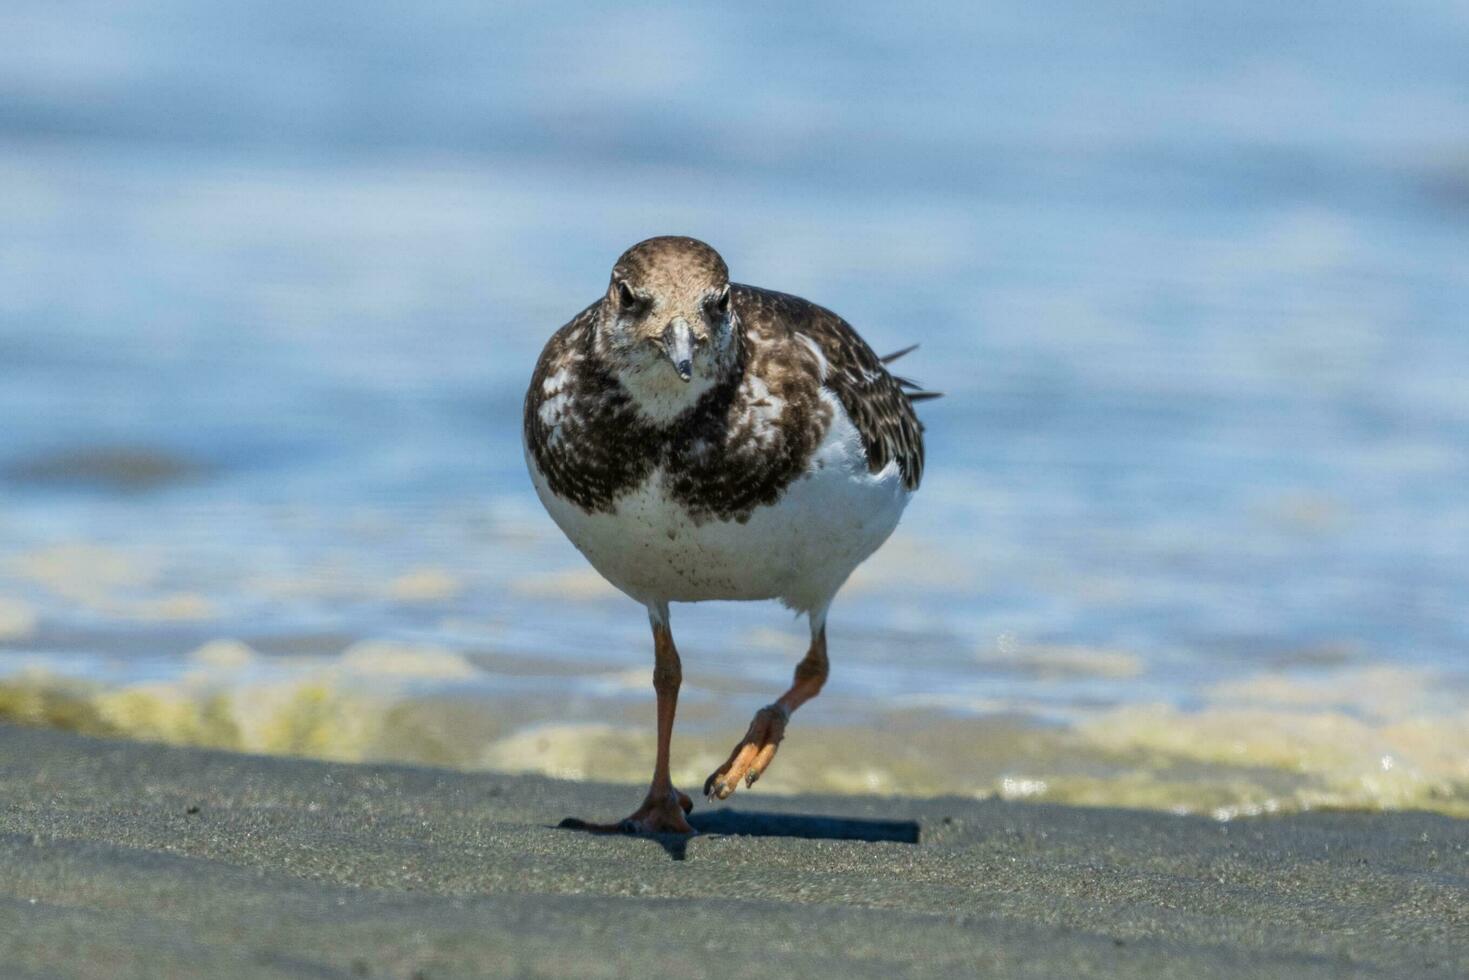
<point x="761" y="824"/>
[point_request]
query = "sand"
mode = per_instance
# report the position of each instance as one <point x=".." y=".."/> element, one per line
<point x="121" y="859"/>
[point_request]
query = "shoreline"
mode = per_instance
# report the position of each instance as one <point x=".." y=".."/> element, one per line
<point x="129" y="859"/>
<point x="1275" y="745"/>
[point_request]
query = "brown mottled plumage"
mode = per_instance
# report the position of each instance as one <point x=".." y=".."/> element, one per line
<point x="698" y="439"/>
<point x="879" y="406"/>
<point x="604" y="447"/>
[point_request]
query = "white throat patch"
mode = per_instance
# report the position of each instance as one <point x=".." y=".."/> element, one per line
<point x="661" y="395"/>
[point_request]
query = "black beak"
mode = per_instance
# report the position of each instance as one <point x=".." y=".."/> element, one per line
<point x="678" y="341"/>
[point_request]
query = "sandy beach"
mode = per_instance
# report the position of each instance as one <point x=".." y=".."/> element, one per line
<point x="1163" y="673"/>
<point x="125" y="859"/>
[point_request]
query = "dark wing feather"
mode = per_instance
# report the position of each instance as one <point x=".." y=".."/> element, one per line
<point x="911" y="388"/>
<point x="890" y="358"/>
<point x="876" y="401"/>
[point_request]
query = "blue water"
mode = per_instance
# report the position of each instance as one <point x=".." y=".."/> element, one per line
<point x="1194" y="279"/>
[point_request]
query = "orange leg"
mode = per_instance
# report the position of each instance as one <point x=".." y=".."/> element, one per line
<point x="755" y="751"/>
<point x="664" y="807"/>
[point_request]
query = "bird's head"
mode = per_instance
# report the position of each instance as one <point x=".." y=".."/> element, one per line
<point x="667" y="325"/>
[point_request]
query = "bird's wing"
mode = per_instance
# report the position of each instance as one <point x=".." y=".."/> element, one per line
<point x="579" y="427"/>
<point x="879" y="404"/>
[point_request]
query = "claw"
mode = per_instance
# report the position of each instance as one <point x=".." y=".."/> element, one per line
<point x="661" y="813"/>
<point x="752" y="755"/>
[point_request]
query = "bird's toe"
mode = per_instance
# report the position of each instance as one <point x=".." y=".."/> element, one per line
<point x="661" y="813"/>
<point x="752" y="756"/>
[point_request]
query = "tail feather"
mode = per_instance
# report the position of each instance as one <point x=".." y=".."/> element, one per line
<point x="897" y="354"/>
<point x="911" y="388"/>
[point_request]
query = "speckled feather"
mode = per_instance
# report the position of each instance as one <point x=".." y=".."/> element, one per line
<point x="745" y="441"/>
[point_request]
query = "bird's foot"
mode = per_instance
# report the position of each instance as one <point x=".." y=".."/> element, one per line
<point x="661" y="813"/>
<point x="754" y="753"/>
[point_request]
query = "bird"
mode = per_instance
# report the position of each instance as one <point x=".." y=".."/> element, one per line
<point x="699" y="439"/>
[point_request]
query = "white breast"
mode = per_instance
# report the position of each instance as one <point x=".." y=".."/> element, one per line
<point x="799" y="550"/>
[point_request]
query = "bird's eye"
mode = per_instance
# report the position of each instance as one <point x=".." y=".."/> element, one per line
<point x="719" y="305"/>
<point x="625" y="297"/>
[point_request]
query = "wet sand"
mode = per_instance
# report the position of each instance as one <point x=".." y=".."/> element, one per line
<point x="123" y="859"/>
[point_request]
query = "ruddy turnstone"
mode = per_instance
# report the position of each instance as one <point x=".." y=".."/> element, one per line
<point x="701" y="439"/>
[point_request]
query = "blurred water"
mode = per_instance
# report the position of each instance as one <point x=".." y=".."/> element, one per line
<point x="273" y="277"/>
